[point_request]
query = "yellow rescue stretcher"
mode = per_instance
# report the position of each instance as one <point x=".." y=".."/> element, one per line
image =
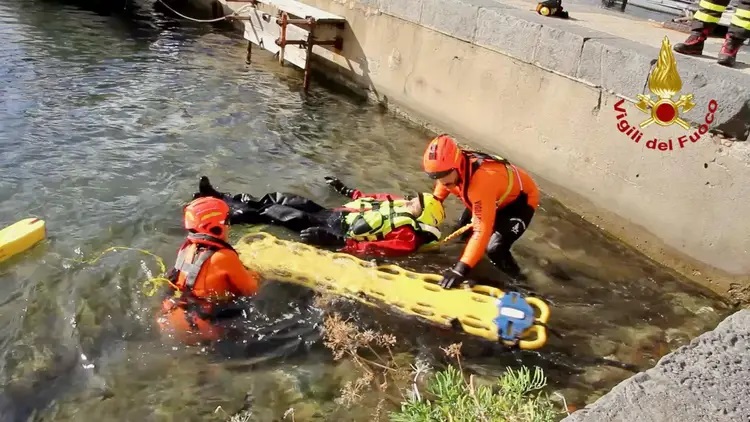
<point x="20" y="237"/>
<point x="481" y="311"/>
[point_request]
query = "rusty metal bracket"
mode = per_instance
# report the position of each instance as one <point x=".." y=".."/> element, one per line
<point x="309" y="22"/>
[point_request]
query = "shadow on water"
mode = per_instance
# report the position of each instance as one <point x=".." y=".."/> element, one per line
<point x="107" y="119"/>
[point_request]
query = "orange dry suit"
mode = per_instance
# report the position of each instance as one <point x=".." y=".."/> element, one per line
<point x="208" y="273"/>
<point x="500" y="200"/>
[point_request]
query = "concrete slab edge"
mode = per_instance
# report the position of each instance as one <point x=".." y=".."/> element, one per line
<point x="705" y="380"/>
<point x="600" y="60"/>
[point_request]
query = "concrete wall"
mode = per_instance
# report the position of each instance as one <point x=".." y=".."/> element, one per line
<point x="540" y="90"/>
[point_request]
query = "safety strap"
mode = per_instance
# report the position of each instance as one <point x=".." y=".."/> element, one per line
<point x="193" y="269"/>
<point x="471" y="168"/>
<point x="209" y="238"/>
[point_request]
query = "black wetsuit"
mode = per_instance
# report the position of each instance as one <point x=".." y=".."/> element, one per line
<point x="288" y="210"/>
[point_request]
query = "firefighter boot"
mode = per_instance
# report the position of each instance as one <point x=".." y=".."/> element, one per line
<point x="728" y="53"/>
<point x="694" y="44"/>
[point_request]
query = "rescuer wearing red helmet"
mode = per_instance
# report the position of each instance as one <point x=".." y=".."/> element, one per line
<point x="207" y="275"/>
<point x="500" y="201"/>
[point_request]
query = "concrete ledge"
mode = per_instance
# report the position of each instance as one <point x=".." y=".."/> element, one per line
<point x="707" y="380"/>
<point x="612" y="63"/>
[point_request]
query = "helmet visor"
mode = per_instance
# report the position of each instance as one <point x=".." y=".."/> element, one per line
<point x="438" y="174"/>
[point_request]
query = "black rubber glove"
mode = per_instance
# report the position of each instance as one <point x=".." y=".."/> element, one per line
<point x="206" y="189"/>
<point x="339" y="186"/>
<point x="453" y="277"/>
<point x="320" y="236"/>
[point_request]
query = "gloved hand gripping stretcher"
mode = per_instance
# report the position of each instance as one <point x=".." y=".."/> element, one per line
<point x="481" y="311"/>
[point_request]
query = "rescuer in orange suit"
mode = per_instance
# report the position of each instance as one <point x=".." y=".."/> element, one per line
<point x="500" y="201"/>
<point x="206" y="278"/>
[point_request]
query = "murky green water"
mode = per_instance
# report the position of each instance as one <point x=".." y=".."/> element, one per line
<point x="106" y="123"/>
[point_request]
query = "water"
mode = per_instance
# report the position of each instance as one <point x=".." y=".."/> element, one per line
<point x="106" y="123"/>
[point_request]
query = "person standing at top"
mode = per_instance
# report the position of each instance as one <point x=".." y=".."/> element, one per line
<point x="500" y="201"/>
<point x="705" y="20"/>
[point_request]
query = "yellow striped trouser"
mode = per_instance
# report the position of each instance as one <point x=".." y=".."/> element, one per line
<point x="710" y="11"/>
<point x="740" y="23"/>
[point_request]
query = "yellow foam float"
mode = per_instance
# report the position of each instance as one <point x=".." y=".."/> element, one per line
<point x="21" y="236"/>
<point x="481" y="311"/>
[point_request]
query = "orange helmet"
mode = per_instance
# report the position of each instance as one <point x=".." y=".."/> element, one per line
<point x="207" y="215"/>
<point x="441" y="157"/>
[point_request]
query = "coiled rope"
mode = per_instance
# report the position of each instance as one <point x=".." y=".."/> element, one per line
<point x="150" y="286"/>
<point x="446" y="239"/>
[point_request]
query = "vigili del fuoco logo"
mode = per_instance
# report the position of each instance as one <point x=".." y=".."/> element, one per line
<point x="664" y="82"/>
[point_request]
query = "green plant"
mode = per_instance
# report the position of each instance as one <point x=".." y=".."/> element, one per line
<point x="451" y="398"/>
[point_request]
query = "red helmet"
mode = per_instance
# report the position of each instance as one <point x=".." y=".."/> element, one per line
<point x="207" y="215"/>
<point x="441" y="157"/>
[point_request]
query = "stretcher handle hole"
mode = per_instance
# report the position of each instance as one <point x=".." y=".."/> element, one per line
<point x="479" y="299"/>
<point x="430" y="278"/>
<point x="253" y="237"/>
<point x="376" y="293"/>
<point x="389" y="270"/>
<point x="432" y="287"/>
<point x="528" y="337"/>
<point x="423" y="312"/>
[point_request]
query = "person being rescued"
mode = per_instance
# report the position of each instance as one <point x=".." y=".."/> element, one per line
<point x="500" y="201"/>
<point x="378" y="224"/>
<point x="207" y="277"/>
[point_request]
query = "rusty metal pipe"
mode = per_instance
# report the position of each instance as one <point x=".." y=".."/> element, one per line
<point x="304" y="42"/>
<point x="282" y="41"/>
<point x="308" y="59"/>
<point x="303" y="22"/>
<point x="291" y="42"/>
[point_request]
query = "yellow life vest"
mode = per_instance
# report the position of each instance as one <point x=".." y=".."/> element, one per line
<point x="375" y="219"/>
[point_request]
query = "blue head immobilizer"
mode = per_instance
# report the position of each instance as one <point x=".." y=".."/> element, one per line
<point x="515" y="316"/>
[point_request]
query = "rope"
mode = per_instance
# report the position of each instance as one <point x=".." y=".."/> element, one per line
<point x="229" y="16"/>
<point x="446" y="239"/>
<point x="150" y="286"/>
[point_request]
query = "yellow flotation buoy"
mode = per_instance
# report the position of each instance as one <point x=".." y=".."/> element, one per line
<point x="481" y="311"/>
<point x="21" y="236"/>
